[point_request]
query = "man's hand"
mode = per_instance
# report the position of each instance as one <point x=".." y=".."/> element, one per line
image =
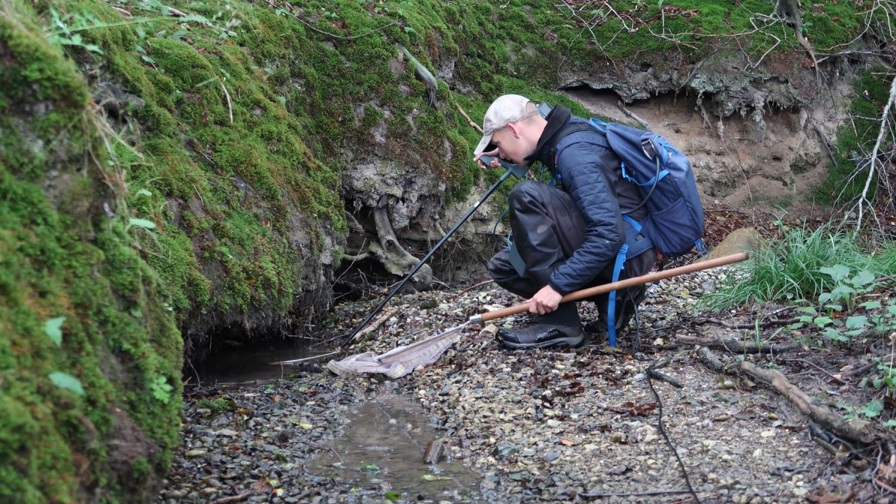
<point x="544" y="301"/>
<point x="493" y="154"/>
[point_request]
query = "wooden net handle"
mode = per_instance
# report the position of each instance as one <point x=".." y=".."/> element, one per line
<point x="621" y="284"/>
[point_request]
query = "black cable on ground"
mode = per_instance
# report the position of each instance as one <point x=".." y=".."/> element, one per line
<point x="662" y="430"/>
<point x="659" y="403"/>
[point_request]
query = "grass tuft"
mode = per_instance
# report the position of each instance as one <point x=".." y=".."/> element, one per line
<point x="790" y="268"/>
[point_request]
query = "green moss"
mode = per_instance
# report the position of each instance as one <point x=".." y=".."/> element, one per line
<point x="54" y="440"/>
<point x="856" y="139"/>
<point x="231" y="136"/>
<point x="30" y="84"/>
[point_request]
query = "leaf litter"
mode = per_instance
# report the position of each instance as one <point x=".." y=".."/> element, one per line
<point x="564" y="425"/>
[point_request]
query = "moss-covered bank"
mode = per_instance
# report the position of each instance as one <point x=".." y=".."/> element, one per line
<point x="169" y="168"/>
<point x="90" y="388"/>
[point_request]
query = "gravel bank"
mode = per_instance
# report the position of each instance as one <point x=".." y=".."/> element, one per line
<point x="570" y="425"/>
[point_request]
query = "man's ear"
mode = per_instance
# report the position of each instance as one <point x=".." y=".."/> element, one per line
<point x="515" y="128"/>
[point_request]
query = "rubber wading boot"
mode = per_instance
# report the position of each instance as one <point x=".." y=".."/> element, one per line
<point x="560" y="328"/>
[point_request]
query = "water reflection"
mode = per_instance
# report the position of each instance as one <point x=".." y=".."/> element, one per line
<point x="383" y="449"/>
<point x="252" y="362"/>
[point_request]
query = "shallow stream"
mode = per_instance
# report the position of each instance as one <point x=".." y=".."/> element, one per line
<point x="384" y="443"/>
<point x="253" y="364"/>
<point x="384" y="446"/>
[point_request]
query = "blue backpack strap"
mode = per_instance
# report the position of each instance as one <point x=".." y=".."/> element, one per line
<point x="661" y="174"/>
<point x="611" y="303"/>
<point x="632" y="222"/>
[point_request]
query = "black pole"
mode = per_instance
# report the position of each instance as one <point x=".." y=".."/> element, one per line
<point x="511" y="169"/>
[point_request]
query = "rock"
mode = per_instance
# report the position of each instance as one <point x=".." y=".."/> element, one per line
<point x="739" y="240"/>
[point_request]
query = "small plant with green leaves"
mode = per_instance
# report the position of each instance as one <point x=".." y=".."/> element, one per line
<point x="65" y="30"/>
<point x="882" y="314"/>
<point x="53" y="329"/>
<point x="832" y="327"/>
<point x="835" y="315"/>
<point x="871" y="409"/>
<point x="161" y="389"/>
<point x="887" y="378"/>
<point x="846" y="285"/>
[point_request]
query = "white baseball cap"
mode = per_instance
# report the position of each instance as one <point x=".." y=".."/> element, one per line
<point x="506" y="109"/>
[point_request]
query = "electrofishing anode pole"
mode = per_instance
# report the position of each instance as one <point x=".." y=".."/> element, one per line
<point x="510" y="169"/>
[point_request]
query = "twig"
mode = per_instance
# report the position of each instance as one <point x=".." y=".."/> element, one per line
<point x="229" y="104"/>
<point x="653" y="373"/>
<point x="816" y="366"/>
<point x="319" y="447"/>
<point x="357" y="257"/>
<point x="859" y="371"/>
<point x="474" y="287"/>
<point x="176" y="13"/>
<point x="735" y="346"/>
<point x="303" y="495"/>
<point x="374" y="325"/>
<point x="826" y="142"/>
<point x="333" y="35"/>
<point x="234" y="498"/>
<point x="772" y="48"/>
<point x="879" y="479"/>
<point x="473" y="124"/>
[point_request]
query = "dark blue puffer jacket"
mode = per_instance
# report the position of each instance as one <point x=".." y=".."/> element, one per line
<point x="579" y="162"/>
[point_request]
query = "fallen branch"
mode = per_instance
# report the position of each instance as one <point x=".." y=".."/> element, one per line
<point x="176" y="13"/>
<point x="749" y="325"/>
<point x="741" y="347"/>
<point x="644" y="124"/>
<point x="852" y="430"/>
<point x="874" y="170"/>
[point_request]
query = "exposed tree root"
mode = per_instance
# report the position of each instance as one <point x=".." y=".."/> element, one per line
<point x="394" y="257"/>
<point x="854" y="430"/>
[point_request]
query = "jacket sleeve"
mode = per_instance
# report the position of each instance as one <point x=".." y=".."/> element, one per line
<point x="582" y="175"/>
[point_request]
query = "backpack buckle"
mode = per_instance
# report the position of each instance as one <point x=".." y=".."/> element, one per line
<point x="648" y="148"/>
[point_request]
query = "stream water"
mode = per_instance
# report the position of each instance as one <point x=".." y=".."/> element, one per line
<point x="384" y="445"/>
<point x="253" y="364"/>
<point x="382" y="450"/>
